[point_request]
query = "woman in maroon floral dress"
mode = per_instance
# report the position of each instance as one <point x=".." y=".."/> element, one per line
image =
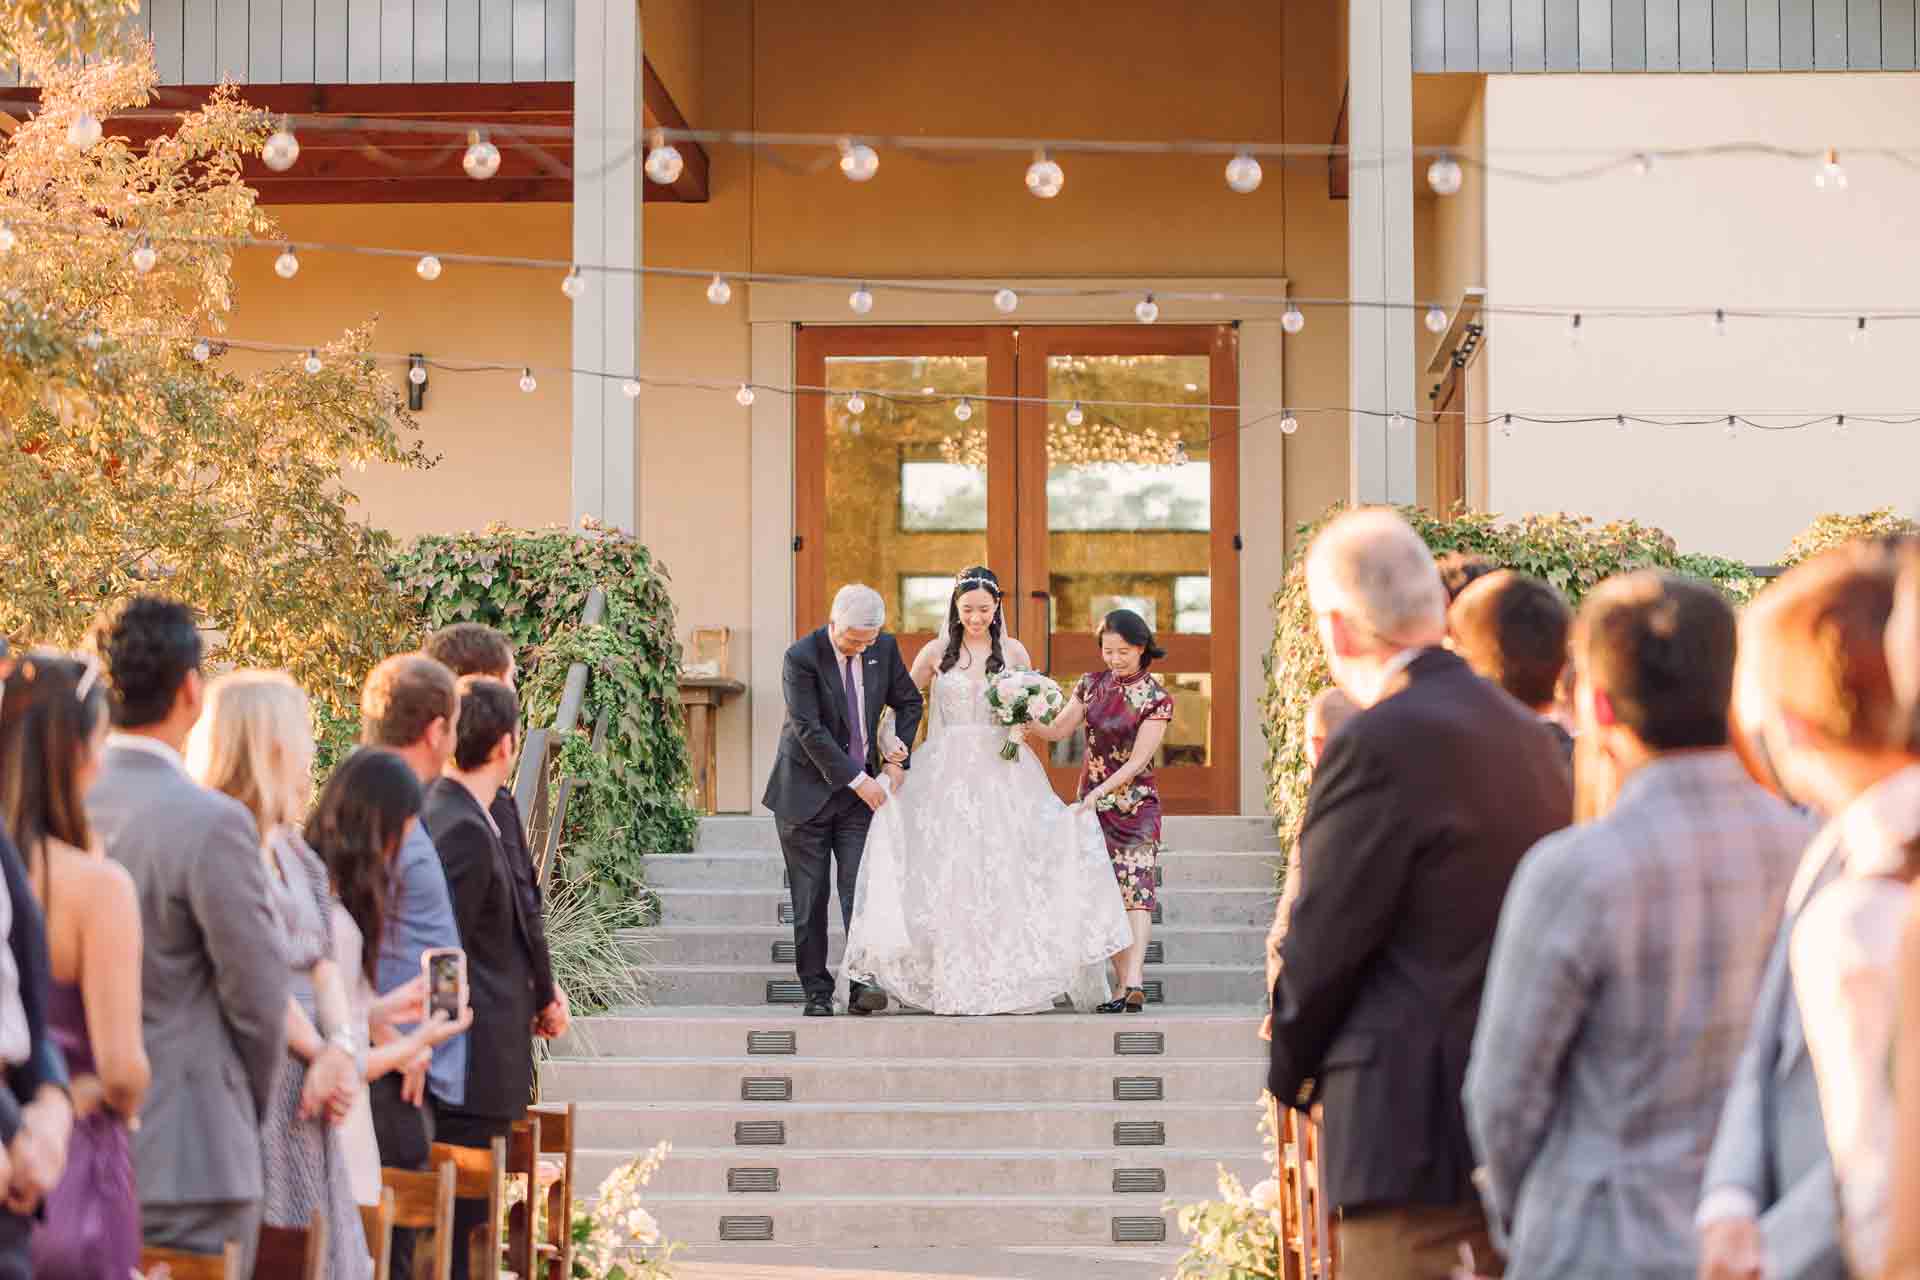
<point x="1126" y="712"/>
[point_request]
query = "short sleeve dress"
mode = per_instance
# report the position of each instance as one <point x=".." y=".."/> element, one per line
<point x="1129" y="817"/>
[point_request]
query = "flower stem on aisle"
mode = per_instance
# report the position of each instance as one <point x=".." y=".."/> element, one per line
<point x="1019" y="698"/>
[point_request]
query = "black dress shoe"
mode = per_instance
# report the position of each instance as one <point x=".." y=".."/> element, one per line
<point x="862" y="999"/>
<point x="819" y="1007"/>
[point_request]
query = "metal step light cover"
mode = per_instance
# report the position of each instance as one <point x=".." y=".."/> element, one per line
<point x="1125" y="1230"/>
<point x="786" y="913"/>
<point x="1139" y="1182"/>
<point x="1130" y="1043"/>
<point x="1156" y="991"/>
<point x="783" y="952"/>
<point x="1156" y="952"/>
<point x="745" y="1180"/>
<point x="789" y="991"/>
<point x="766" y="1089"/>
<point x="1139" y="1089"/>
<point x="1139" y="1133"/>
<point x="737" y="1226"/>
<point x="771" y="1042"/>
<point x="1156" y="914"/>
<point x="760" y="1133"/>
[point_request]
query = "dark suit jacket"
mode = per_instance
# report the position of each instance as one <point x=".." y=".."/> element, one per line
<point x="1419" y="813"/>
<point x="500" y="968"/>
<point x="45" y="1064"/>
<point x="513" y="833"/>
<point x="811" y="764"/>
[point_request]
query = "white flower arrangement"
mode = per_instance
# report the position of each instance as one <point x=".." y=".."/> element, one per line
<point x="1019" y="698"/>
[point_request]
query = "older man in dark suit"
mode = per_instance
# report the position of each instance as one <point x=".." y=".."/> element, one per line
<point x="1419" y="813"/>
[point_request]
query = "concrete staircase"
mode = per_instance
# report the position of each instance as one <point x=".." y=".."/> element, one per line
<point x="904" y="1129"/>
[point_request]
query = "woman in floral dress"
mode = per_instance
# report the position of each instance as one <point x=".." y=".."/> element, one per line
<point x="1126" y="712"/>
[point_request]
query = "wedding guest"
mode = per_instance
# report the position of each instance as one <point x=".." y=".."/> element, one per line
<point x="1329" y="710"/>
<point x="1461" y="569"/>
<point x="254" y="742"/>
<point x="1903" y="1233"/>
<point x="1512" y="629"/>
<point x="1419" y="812"/>
<point x="490" y="915"/>
<point x="471" y="649"/>
<point x="53" y="728"/>
<point x="1126" y="712"/>
<point x="213" y="990"/>
<point x="1823" y="664"/>
<point x="357" y="827"/>
<point x="1625" y="966"/>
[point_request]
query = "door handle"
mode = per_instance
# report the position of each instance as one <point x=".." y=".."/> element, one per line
<point x="1046" y="627"/>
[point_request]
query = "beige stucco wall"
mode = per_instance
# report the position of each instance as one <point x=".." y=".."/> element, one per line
<point x="1715" y="232"/>
<point x="1215" y="68"/>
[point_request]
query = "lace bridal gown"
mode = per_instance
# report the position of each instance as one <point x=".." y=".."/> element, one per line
<point x="979" y="890"/>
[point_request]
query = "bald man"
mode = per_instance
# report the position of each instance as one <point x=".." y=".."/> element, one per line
<point x="1420" y="810"/>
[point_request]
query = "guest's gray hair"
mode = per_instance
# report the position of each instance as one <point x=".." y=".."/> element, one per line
<point x="860" y="607"/>
<point x="1371" y="565"/>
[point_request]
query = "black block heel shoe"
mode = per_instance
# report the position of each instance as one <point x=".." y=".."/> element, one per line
<point x="1132" y="1000"/>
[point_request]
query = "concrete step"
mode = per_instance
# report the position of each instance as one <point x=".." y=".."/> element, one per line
<point x="780" y="1034"/>
<point x="734" y="833"/>
<point x="1244" y="907"/>
<point x="770" y="984"/>
<point x="730" y="944"/>
<point x="766" y="869"/>
<point x="920" y="1222"/>
<point x="922" y="1126"/>
<point x="706" y="1170"/>
<point x="954" y="1080"/>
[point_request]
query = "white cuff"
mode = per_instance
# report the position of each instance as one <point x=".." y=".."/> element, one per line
<point x="858" y="782"/>
<point x="1726" y="1202"/>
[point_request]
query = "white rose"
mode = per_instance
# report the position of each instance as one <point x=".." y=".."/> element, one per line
<point x="1265" y="1195"/>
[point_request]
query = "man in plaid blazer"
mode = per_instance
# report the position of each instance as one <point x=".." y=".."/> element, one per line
<point x="1629" y="955"/>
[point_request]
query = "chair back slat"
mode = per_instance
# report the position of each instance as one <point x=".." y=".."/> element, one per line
<point x="294" y="1251"/>
<point x="480" y="1173"/>
<point x="184" y="1264"/>
<point x="557" y="1128"/>
<point x="424" y="1202"/>
<point x="523" y="1159"/>
<point x="377" y="1221"/>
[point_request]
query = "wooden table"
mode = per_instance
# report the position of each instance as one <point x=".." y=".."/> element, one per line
<point x="701" y="698"/>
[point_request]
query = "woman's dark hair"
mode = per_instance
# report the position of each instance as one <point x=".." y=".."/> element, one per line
<point x="51" y="708"/>
<point x="1132" y="628"/>
<point x="356" y="829"/>
<point x="977" y="578"/>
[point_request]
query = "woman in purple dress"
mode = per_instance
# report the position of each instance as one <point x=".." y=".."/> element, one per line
<point x="1126" y="712"/>
<point x="53" y="723"/>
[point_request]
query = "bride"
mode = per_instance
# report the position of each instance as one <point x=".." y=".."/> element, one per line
<point x="980" y="891"/>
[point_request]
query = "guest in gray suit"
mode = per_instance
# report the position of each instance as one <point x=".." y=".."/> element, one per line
<point x="213" y="988"/>
<point x="1626" y="962"/>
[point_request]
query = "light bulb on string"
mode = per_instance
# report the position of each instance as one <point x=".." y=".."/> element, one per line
<point x="1830" y="176"/>
<point x="1075" y="414"/>
<point x="1436" y="319"/>
<point x="719" y="292"/>
<point x="7" y="238"/>
<point x="575" y="284"/>
<point x="1643" y="163"/>
<point x="1733" y="428"/>
<point x="856" y="404"/>
<point x="744" y="396"/>
<point x="663" y="161"/>
<point x="1444" y="175"/>
<point x="1180" y="456"/>
<point x="1395" y="421"/>
<point x="1293" y="320"/>
<point x="287" y="265"/>
<point x="963" y="410"/>
<point x="1146" y="311"/>
<point x="1719" y="322"/>
<point x="143" y="256"/>
<point x="312" y="363"/>
<point x="630" y="388"/>
<point x="1506" y="425"/>
<point x="1840" y="424"/>
<point x="1620" y="421"/>
<point x="858" y="160"/>
<point x="281" y="148"/>
<point x="482" y="159"/>
<point x="1858" y="335"/>
<point x="428" y="268"/>
<point x="1288" y="424"/>
<point x="202" y="351"/>
<point x="1005" y="300"/>
<point x="527" y="382"/>
<point x="84" y="131"/>
<point x="417" y="373"/>
<point x="1574" y="333"/>
<point x="1244" y="173"/>
<point x="1045" y="177"/>
<point x="861" y="300"/>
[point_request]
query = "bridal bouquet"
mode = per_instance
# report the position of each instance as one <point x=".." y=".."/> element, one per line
<point x="1022" y="697"/>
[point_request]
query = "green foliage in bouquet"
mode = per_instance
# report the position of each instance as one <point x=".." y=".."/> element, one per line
<point x="1236" y="1237"/>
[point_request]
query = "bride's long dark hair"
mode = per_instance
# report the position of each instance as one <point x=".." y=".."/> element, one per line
<point x="976" y="578"/>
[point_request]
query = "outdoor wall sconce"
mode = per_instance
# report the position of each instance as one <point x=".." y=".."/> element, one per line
<point x="416" y="381"/>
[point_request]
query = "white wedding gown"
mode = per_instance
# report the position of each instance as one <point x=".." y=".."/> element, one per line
<point x="980" y="891"/>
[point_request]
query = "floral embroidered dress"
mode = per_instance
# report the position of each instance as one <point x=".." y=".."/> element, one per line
<point x="1129" y="817"/>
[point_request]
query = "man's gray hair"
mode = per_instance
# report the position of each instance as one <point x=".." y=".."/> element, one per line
<point x="860" y="607"/>
<point x="1371" y="565"/>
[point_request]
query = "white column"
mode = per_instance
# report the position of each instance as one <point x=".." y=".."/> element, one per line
<point x="1380" y="247"/>
<point x="607" y="158"/>
<point x="1263" y="528"/>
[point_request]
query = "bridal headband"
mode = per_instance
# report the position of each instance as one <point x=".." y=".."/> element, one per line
<point x="968" y="584"/>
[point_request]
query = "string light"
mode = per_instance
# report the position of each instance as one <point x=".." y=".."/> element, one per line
<point x="1859" y="335"/>
<point x="482" y="159"/>
<point x="1180" y="458"/>
<point x="963" y="410"/>
<point x="417" y="372"/>
<point x="202" y="351"/>
<point x="664" y="162"/>
<point x="1395" y="421"/>
<point x="1620" y="421"/>
<point x="858" y="161"/>
<point x="1244" y="173"/>
<point x="1045" y="177"/>
<point x="861" y="300"/>
<point x="744" y="395"/>
<point x="1506" y="426"/>
<point x="83" y="131"/>
<point x="428" y="268"/>
<point x="1075" y="414"/>
<point x="1830" y="176"/>
<point x="7" y="238"/>
<point x="1292" y="320"/>
<point x="856" y="404"/>
<point x="527" y="382"/>
<point x="287" y="265"/>
<point x="1436" y="319"/>
<point x="1733" y="428"/>
<point x="1573" y="329"/>
<point x="719" y="292"/>
<point x="630" y="388"/>
<point x="1642" y="163"/>
<point x="1444" y="175"/>
<point x="1146" y="311"/>
<point x="312" y="363"/>
<point x="1839" y="424"/>
<point x="144" y="256"/>
<point x="574" y="285"/>
<point x="281" y="148"/>
<point x="1719" y="322"/>
<point x="1005" y="300"/>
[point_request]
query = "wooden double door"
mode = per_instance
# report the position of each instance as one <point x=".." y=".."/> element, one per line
<point x="1092" y="468"/>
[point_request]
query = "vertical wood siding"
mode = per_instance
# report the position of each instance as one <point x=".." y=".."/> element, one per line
<point x="1660" y="35"/>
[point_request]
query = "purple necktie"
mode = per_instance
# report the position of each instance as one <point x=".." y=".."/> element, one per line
<point x="856" y="744"/>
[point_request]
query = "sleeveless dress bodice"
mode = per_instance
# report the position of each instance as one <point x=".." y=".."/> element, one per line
<point x="960" y="701"/>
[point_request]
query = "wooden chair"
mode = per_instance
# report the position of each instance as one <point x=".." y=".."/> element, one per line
<point x="556" y="1139"/>
<point x="523" y="1159"/>
<point x="1293" y="1243"/>
<point x="480" y="1173"/>
<point x="182" y="1264"/>
<point x="294" y="1251"/>
<point x="423" y="1202"/>
<point x="377" y="1221"/>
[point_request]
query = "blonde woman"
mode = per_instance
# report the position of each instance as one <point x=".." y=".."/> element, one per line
<point x="255" y="743"/>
